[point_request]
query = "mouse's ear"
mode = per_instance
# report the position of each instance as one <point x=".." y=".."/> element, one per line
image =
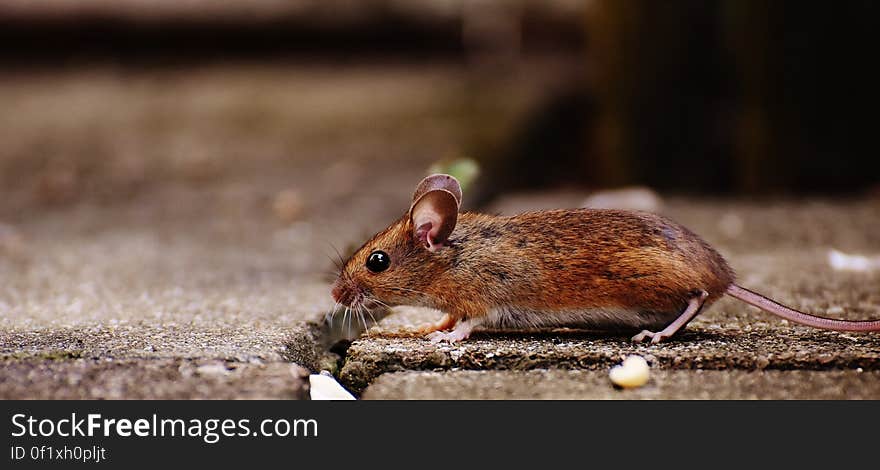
<point x="434" y="209"/>
<point x="436" y="181"/>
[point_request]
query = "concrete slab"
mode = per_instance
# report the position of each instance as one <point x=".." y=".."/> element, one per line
<point x="59" y="378"/>
<point x="699" y="348"/>
<point x="103" y="287"/>
<point x="558" y="384"/>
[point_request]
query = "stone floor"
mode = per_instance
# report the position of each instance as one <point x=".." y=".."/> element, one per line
<point x="95" y="310"/>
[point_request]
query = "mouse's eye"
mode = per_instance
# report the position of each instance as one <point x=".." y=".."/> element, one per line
<point x="378" y="261"/>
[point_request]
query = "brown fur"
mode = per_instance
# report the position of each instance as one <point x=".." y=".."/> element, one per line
<point x="545" y="262"/>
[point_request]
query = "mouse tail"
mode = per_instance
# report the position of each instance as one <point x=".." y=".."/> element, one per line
<point x="776" y="308"/>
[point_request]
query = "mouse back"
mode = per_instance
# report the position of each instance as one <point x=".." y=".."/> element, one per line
<point x="582" y="259"/>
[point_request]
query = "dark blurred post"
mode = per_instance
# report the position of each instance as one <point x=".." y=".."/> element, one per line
<point x="746" y="96"/>
<point x="611" y="27"/>
<point x="659" y="81"/>
<point x="748" y="33"/>
<point x="807" y="83"/>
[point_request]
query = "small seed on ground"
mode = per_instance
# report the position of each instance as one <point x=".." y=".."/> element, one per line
<point x="634" y="372"/>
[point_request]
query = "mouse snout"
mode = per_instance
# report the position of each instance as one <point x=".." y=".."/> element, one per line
<point x="343" y="292"/>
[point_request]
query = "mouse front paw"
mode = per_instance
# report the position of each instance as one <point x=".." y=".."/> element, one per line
<point x="448" y="337"/>
<point x="445" y="323"/>
<point x="461" y="332"/>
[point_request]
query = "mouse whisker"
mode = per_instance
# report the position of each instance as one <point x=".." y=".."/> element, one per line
<point x="335" y="262"/>
<point x="355" y="313"/>
<point x="328" y="318"/>
<point x="361" y="316"/>
<point x="375" y="322"/>
<point x="338" y="255"/>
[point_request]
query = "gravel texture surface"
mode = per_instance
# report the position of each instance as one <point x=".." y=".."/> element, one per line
<point x="107" y="379"/>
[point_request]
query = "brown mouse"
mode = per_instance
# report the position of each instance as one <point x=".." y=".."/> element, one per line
<point x="586" y="268"/>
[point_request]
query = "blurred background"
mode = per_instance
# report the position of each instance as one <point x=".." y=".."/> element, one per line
<point x="106" y="99"/>
<point x="249" y="117"/>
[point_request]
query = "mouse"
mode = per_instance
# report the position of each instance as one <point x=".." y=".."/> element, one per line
<point x="596" y="269"/>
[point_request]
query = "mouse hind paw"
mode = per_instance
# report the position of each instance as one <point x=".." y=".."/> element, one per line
<point x="693" y="308"/>
<point x="656" y="337"/>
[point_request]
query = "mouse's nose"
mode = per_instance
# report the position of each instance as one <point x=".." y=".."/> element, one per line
<point x="342" y="293"/>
